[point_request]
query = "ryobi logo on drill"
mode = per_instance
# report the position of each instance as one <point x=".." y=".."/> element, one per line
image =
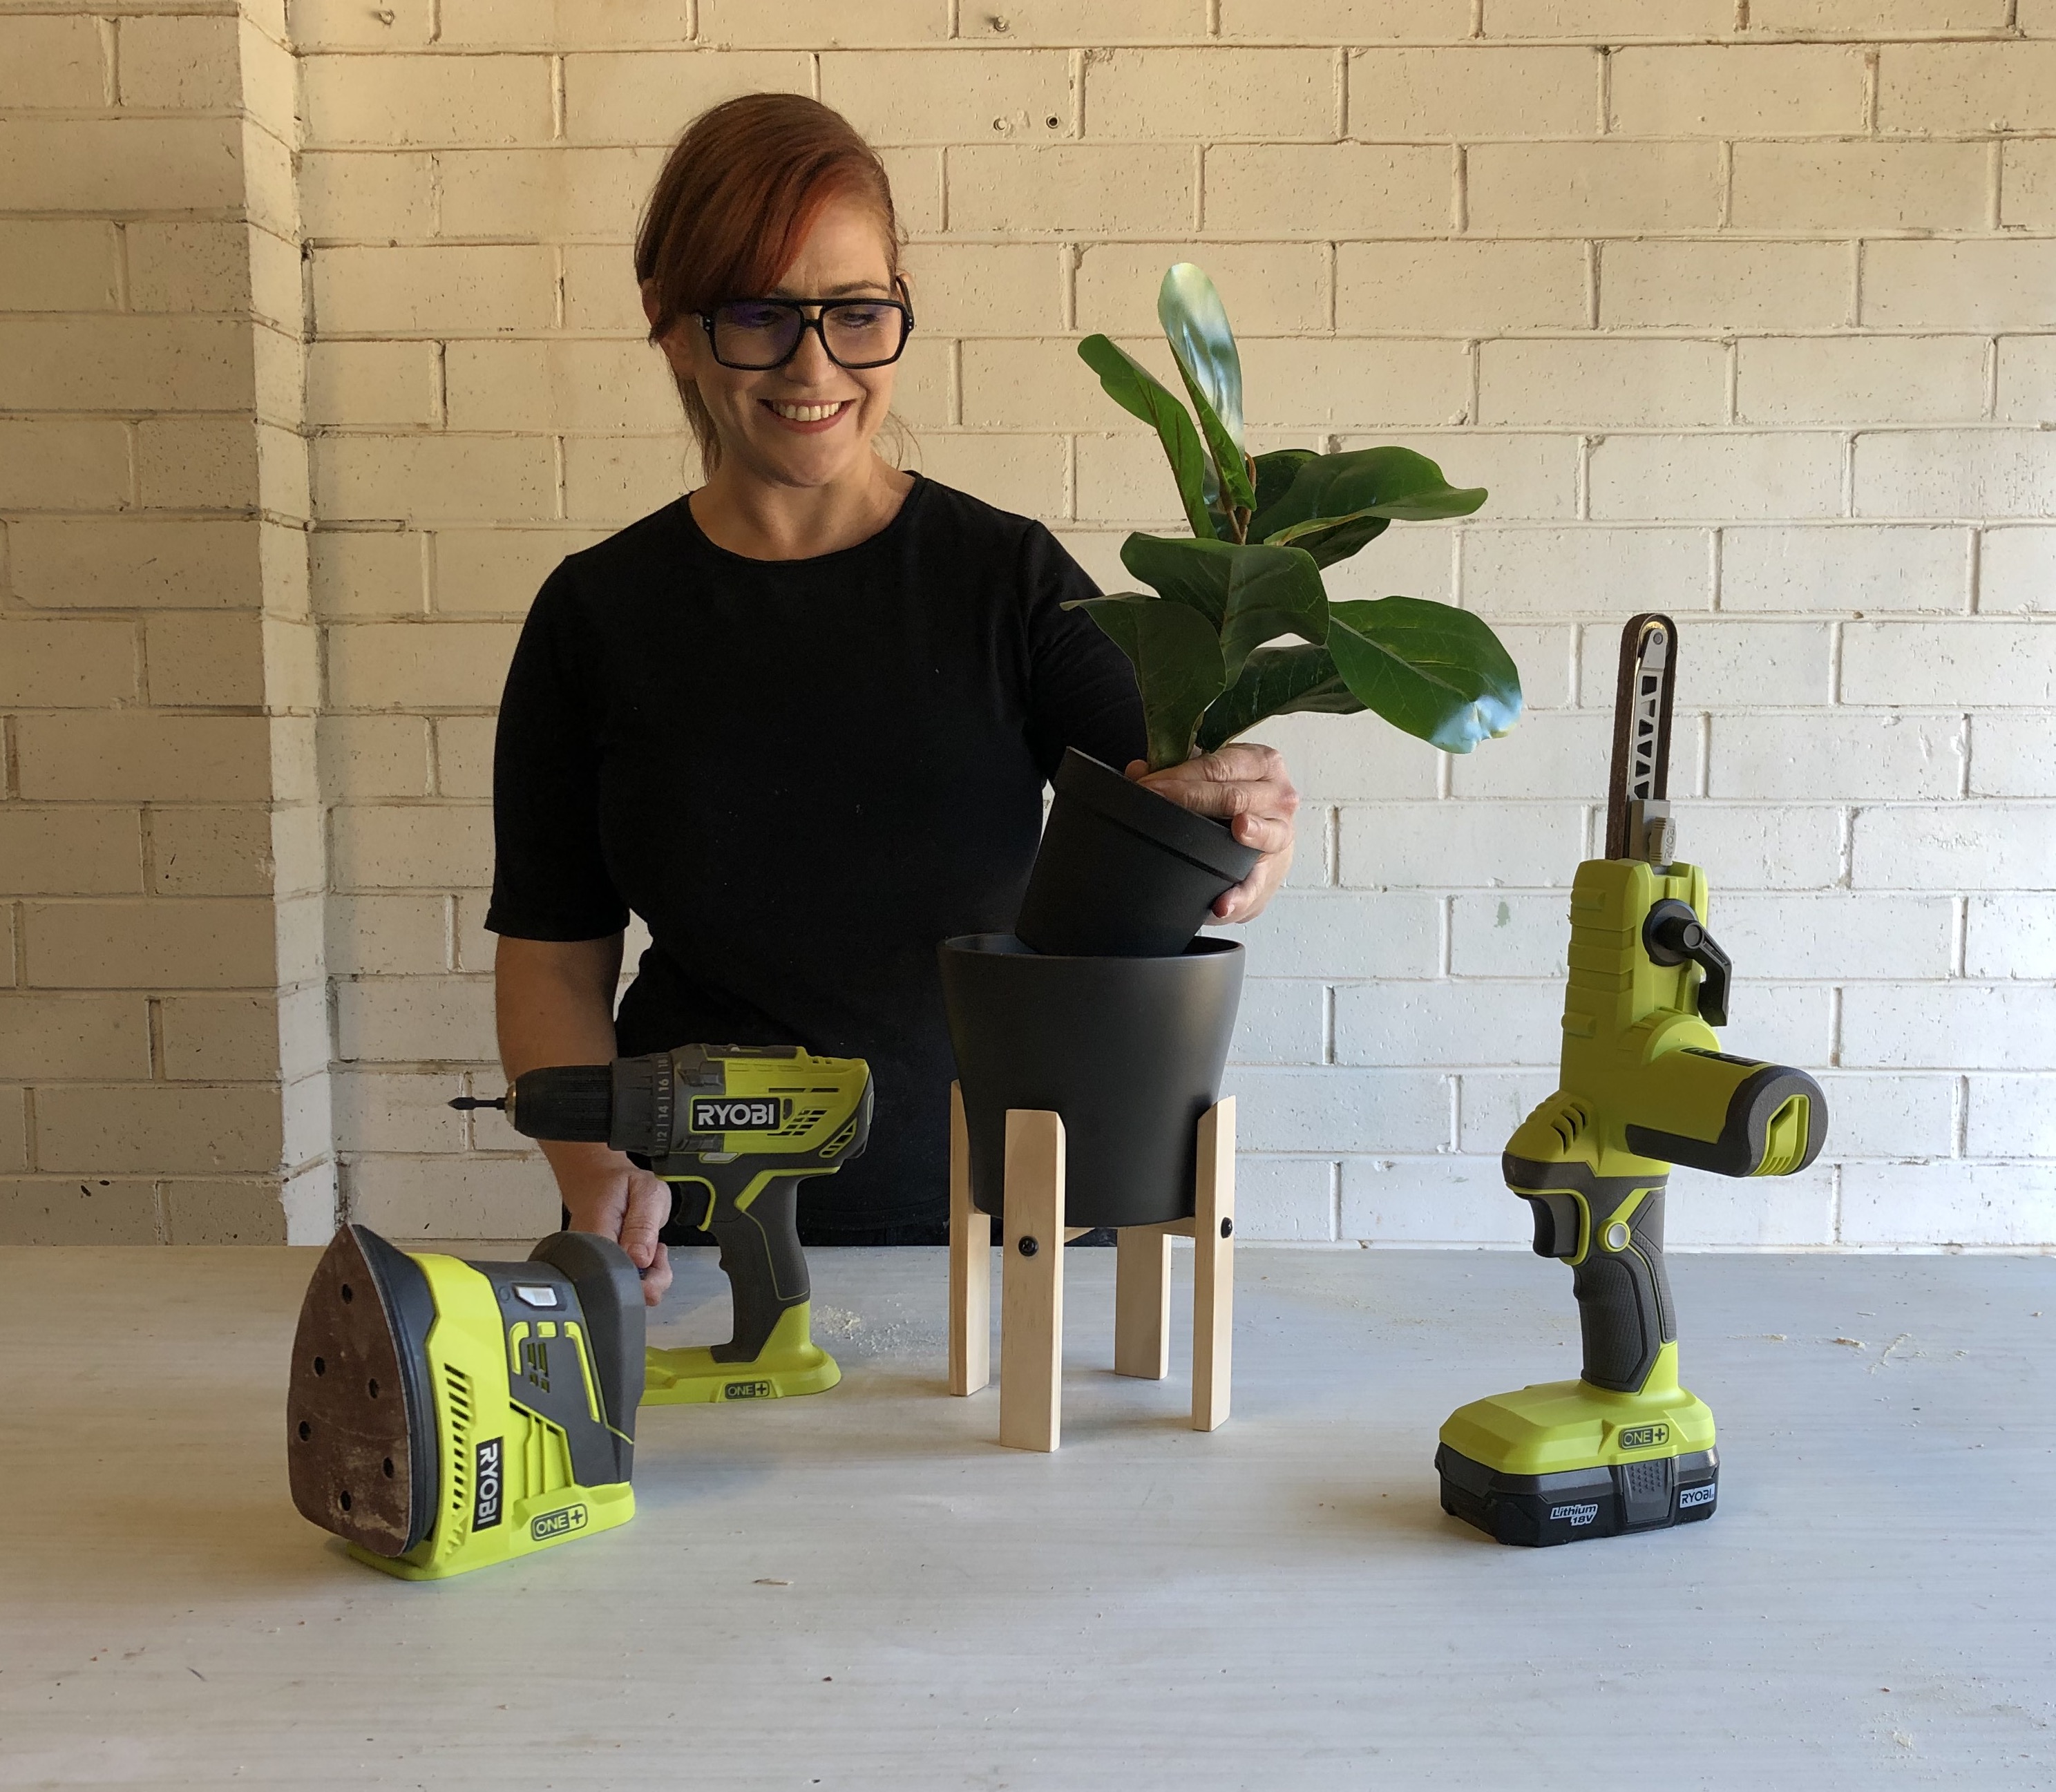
<point x="560" y="1523"/>
<point x="734" y="1113"/>
<point x="486" y="1484"/>
<point x="1644" y="1437"/>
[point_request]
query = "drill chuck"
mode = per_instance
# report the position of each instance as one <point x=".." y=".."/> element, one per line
<point x="568" y="1102"/>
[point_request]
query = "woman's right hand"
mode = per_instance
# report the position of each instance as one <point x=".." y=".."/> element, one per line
<point x="607" y="1195"/>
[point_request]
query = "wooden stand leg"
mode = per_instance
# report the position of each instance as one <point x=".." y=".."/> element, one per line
<point x="1142" y="1302"/>
<point x="1213" y="1266"/>
<point x="1031" y="1318"/>
<point x="971" y="1266"/>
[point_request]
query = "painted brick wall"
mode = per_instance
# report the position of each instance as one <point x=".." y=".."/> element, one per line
<point x="1745" y="311"/>
<point x="163" y="1051"/>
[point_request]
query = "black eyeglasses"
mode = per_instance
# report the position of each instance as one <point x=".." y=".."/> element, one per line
<point x="757" y="334"/>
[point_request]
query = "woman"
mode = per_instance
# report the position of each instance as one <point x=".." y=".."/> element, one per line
<point x="800" y="720"/>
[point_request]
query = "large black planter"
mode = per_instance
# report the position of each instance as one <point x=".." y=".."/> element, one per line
<point x="1122" y="871"/>
<point x="1128" y="1050"/>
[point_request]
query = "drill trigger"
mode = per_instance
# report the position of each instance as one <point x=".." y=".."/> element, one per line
<point x="1559" y="1224"/>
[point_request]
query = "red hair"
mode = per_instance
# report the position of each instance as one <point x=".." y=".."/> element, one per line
<point x="735" y="199"/>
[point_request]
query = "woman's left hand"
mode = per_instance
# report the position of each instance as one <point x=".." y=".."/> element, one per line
<point x="1247" y="787"/>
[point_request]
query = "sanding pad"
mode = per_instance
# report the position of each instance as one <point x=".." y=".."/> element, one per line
<point x="360" y="1432"/>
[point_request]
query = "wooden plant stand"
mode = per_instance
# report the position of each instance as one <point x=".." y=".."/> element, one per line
<point x="1032" y="1278"/>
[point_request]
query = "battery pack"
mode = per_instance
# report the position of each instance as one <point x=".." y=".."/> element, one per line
<point x="1606" y="1500"/>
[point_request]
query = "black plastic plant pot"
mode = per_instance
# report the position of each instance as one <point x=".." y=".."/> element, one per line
<point x="1123" y="871"/>
<point x="1128" y="1050"/>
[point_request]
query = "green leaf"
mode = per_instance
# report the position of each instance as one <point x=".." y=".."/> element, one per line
<point x="1138" y="391"/>
<point x="1436" y="672"/>
<point x="1177" y="665"/>
<point x="1251" y="595"/>
<point x="1336" y="503"/>
<point x="1275" y="473"/>
<point x="1203" y="345"/>
<point x="1276" y="681"/>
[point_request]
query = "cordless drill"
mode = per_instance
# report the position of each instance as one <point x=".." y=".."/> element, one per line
<point x="1643" y="1086"/>
<point x="733" y="1128"/>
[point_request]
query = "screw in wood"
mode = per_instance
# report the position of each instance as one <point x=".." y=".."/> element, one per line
<point x="1228" y="1228"/>
<point x="1028" y="1247"/>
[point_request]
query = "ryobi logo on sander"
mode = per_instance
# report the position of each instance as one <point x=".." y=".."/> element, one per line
<point x="734" y="1113"/>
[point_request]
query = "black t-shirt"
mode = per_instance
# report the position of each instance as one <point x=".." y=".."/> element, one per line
<point x="803" y="775"/>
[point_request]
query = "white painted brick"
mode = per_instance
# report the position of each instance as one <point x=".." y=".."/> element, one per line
<point x="1856" y="18"/>
<point x="595" y="386"/>
<point x="1456" y="288"/>
<point x="181" y="63"/>
<point x="1619" y="383"/>
<point x="1282" y="1020"/>
<point x="1872" y="1114"/>
<point x="1842" y="187"/>
<point x="1213" y="93"/>
<point x="2027" y="379"/>
<point x="1067" y="23"/>
<point x="1964" y="846"/>
<point x="402" y="101"/>
<point x="1347" y="21"/>
<point x="392" y="383"/>
<point x="1988" y="285"/>
<point x="1011" y="289"/>
<point x="1493" y="1103"/>
<point x="1466" y="1022"/>
<point x="1293" y="383"/>
<point x="371" y="756"/>
<point x="1759" y="1214"/>
<point x="1841" y="936"/>
<point x="1609" y="20"/>
<point x="1288" y="1198"/>
<point x="124" y="165"/>
<point x="1542" y="653"/>
<point x="496" y="571"/>
<point x="385" y="1111"/>
<point x="59" y="264"/>
<point x="1335" y="758"/>
<point x="49" y="464"/>
<point x="649" y="96"/>
<point x="2010" y="937"/>
<point x="1411" y="559"/>
<point x="2017" y="570"/>
<point x="413" y="1019"/>
<point x="1450" y="845"/>
<point x="1858" y="568"/>
<point x="615" y="482"/>
<point x="1725" y="285"/>
<point x="548" y="195"/>
<point x="1270" y="288"/>
<point x="52" y="63"/>
<point x="1963" y="90"/>
<point x="359" y="193"/>
<point x="1778" y="1023"/>
<point x="1528" y="476"/>
<point x="1467" y="94"/>
<point x="2011" y="1117"/>
<point x="2027" y="183"/>
<point x="438" y="290"/>
<point x="478" y="950"/>
<point x="1874" y="379"/>
<point x="1562" y="754"/>
<point x="1339" y="1110"/>
<point x="1745" y="847"/>
<point x="1963" y="1203"/>
<point x="600" y="293"/>
<point x="367" y="573"/>
<point x="1948" y="1026"/>
<point x="1577" y="189"/>
<point x="1985" y="664"/>
<point x="1021" y="473"/>
<point x="388" y="936"/>
<point x="1702" y="90"/>
<point x="1725" y="664"/>
<point x="1849" y="756"/>
<point x="404" y="1198"/>
<point x="2014" y="754"/>
<point x="433" y="478"/>
<point x="1510" y="935"/>
<point x="1005" y="188"/>
<point x="1436" y="1201"/>
<point x="443" y="664"/>
<point x="1522" y="572"/>
<point x="1345" y="189"/>
<point x="822" y="23"/>
<point x="1344" y="935"/>
<point x="1716" y="477"/>
<point x="464" y="756"/>
<point x="412" y="847"/>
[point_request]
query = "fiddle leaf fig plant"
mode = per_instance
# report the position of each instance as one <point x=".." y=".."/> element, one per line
<point x="1239" y="627"/>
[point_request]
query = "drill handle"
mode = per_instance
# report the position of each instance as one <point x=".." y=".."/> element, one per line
<point x="1623" y="1291"/>
<point x="753" y="1215"/>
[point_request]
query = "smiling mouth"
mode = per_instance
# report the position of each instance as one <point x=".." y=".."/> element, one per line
<point x="809" y="414"/>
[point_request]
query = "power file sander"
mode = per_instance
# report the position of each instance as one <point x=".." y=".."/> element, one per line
<point x="734" y="1129"/>
<point x="1644" y="1085"/>
<point x="443" y="1415"/>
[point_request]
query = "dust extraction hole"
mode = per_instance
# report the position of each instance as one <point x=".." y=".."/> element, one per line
<point x="389" y="1468"/>
<point x="371" y="1387"/>
<point x="347" y="1296"/>
<point x="307" y="1430"/>
<point x="342" y="1499"/>
<point x="321" y="1366"/>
